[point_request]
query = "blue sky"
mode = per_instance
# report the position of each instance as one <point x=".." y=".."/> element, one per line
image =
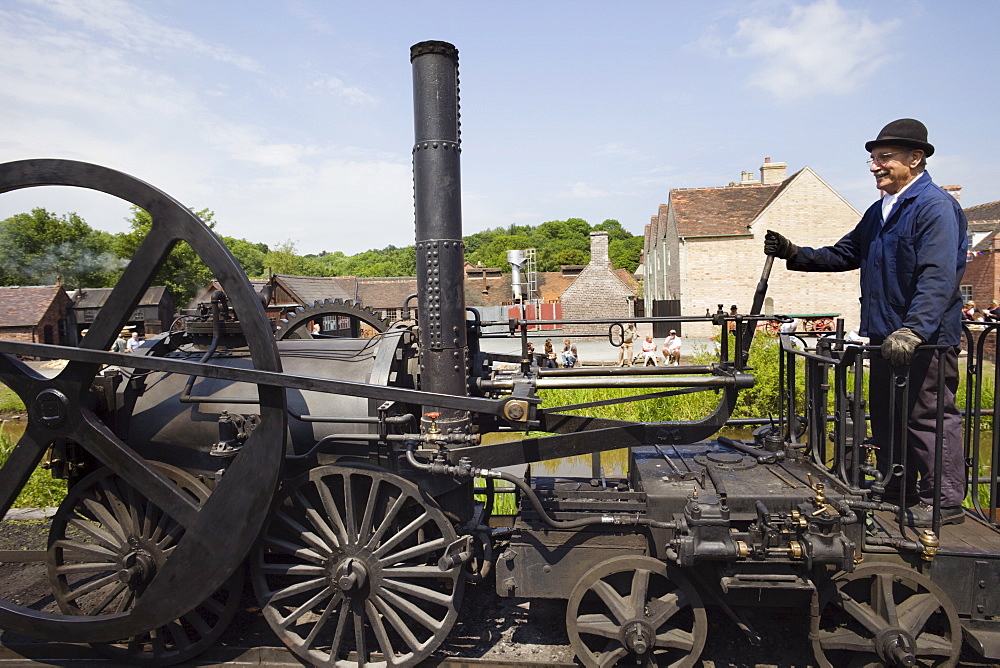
<point x="293" y="120"/>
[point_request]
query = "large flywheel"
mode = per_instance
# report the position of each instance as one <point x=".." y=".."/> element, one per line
<point x="60" y="408"/>
<point x="353" y="570"/>
<point x="884" y="614"/>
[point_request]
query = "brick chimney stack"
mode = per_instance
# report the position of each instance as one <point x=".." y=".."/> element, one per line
<point x="772" y="172"/>
<point x="599" y="248"/>
<point x="954" y="191"/>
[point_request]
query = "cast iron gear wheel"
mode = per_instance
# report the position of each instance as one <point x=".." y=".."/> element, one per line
<point x="294" y="324"/>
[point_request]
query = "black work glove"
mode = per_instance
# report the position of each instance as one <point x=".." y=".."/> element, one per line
<point x="778" y="246"/>
<point x="898" y="347"/>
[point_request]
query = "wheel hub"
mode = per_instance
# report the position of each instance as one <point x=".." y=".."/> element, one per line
<point x="136" y="569"/>
<point x="50" y="408"/>
<point x="896" y="647"/>
<point x="637" y="636"/>
<point x="351" y="575"/>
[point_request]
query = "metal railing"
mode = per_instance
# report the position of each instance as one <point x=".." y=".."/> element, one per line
<point x="825" y="410"/>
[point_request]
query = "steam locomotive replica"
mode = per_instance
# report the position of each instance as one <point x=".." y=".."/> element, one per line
<point x="353" y="479"/>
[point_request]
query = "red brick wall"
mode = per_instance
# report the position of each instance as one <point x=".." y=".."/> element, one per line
<point x="981" y="274"/>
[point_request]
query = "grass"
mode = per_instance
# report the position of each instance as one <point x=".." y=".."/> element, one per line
<point x="41" y="490"/>
<point x="9" y="401"/>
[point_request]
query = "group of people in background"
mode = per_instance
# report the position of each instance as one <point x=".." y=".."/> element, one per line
<point x="671" y="349"/>
<point x="566" y="358"/>
<point x="972" y="312"/>
<point x="127" y="342"/>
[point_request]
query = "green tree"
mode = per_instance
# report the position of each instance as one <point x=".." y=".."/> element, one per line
<point x="614" y="229"/>
<point x="625" y="253"/>
<point x="251" y="256"/>
<point x="183" y="272"/>
<point x="41" y="248"/>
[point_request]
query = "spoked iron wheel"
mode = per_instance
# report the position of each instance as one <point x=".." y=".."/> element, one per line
<point x="60" y="408"/>
<point x="885" y="615"/>
<point x="636" y="610"/>
<point x="105" y="545"/>
<point x="347" y="572"/>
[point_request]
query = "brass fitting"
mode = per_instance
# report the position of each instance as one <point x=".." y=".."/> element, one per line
<point x="930" y="542"/>
<point x="742" y="549"/>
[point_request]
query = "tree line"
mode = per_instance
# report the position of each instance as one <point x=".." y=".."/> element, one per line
<point x="41" y="248"/>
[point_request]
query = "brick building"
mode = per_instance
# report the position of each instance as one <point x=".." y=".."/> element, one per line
<point x="599" y="291"/>
<point x="704" y="247"/>
<point x="36" y="314"/>
<point x="981" y="272"/>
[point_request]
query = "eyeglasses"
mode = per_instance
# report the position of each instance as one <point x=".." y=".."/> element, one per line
<point x="881" y="158"/>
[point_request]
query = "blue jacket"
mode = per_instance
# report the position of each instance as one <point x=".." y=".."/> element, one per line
<point x="911" y="265"/>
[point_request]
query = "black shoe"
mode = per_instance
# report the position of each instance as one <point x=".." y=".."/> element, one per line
<point x="922" y="515"/>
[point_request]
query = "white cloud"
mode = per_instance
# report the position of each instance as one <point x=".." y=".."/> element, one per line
<point x="137" y="31"/>
<point x="350" y="94"/>
<point x="815" y="49"/>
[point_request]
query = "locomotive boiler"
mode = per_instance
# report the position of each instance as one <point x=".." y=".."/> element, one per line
<point x="352" y="479"/>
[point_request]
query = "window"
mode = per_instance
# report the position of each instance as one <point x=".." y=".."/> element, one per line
<point x="966" y="291"/>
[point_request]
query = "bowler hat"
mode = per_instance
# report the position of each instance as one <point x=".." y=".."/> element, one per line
<point x="903" y="132"/>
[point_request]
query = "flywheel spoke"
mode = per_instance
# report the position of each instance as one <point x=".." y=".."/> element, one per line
<point x="124" y="297"/>
<point x="20" y="377"/>
<point x="136" y="471"/>
<point x="665" y="607"/>
<point x="20" y="464"/>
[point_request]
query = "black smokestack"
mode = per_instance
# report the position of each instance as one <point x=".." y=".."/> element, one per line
<point x="437" y="192"/>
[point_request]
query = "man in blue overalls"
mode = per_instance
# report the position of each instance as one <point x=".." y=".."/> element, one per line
<point x="911" y="249"/>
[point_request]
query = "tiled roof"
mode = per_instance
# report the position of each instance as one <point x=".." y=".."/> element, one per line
<point x="379" y="293"/>
<point x="551" y="285"/>
<point x="95" y="297"/>
<point x="703" y="212"/>
<point x="988" y="211"/>
<point x="25" y="306"/>
<point x="628" y="279"/>
<point x="310" y="289"/>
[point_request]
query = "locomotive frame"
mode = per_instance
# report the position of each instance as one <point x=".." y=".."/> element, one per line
<point x="342" y="472"/>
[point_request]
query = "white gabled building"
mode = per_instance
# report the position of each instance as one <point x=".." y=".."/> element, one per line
<point x="705" y="247"/>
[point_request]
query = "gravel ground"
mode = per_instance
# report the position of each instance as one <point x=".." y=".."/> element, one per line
<point x="489" y="627"/>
